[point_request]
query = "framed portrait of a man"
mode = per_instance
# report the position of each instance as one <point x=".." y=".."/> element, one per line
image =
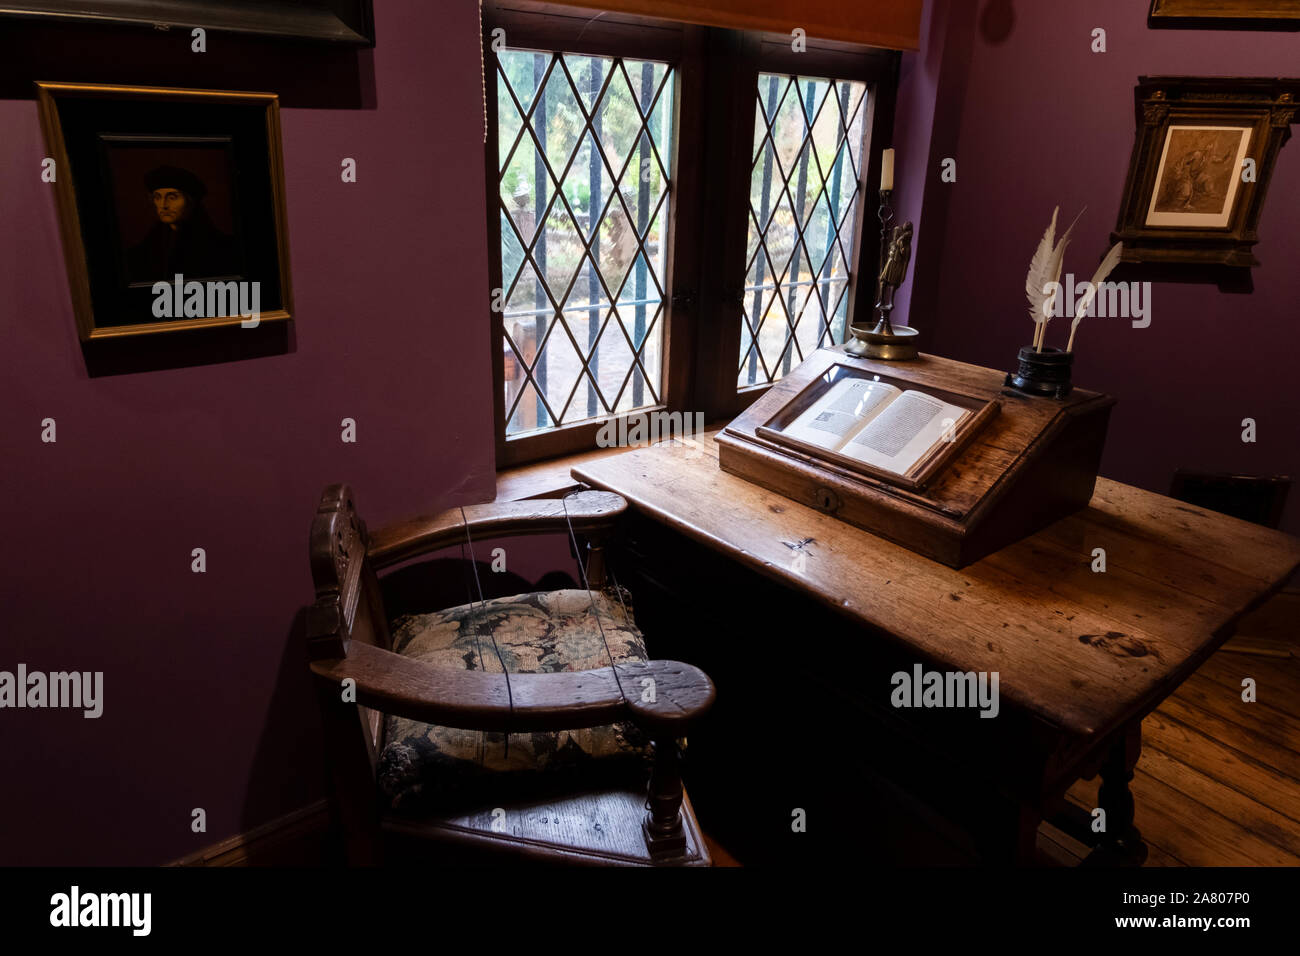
<point x="171" y="207"/>
<point x="1202" y="160"/>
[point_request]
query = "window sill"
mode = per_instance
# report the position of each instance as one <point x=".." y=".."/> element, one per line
<point x="552" y="478"/>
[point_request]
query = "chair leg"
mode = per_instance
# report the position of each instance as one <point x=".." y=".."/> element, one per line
<point x="352" y="776"/>
<point x="664" y="835"/>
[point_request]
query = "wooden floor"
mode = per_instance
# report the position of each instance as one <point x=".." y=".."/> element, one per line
<point x="1218" y="783"/>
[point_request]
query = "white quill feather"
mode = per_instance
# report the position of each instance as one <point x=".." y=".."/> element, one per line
<point x="1103" y="270"/>
<point x="1058" y="260"/>
<point x="1040" y="270"/>
<point x="1058" y="254"/>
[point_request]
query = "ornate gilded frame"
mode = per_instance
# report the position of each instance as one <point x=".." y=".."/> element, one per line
<point x="74" y="251"/>
<point x="1265" y="106"/>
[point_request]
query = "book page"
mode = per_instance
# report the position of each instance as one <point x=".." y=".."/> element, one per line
<point x="843" y="409"/>
<point x="903" y="433"/>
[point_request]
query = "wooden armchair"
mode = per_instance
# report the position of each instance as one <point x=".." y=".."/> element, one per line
<point x="364" y="685"/>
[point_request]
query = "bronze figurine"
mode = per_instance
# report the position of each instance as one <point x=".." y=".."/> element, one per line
<point x="884" y="341"/>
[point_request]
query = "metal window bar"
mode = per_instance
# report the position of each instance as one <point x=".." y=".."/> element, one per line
<point x="802" y="192"/>
<point x="642" y="222"/>
<point x="593" y="230"/>
<point x="768" y="155"/>
<point x="835" y="202"/>
<point x="539" y="212"/>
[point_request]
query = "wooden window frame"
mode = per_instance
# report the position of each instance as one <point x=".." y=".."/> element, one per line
<point x="709" y="177"/>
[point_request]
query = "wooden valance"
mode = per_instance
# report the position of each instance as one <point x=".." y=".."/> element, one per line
<point x="895" y="24"/>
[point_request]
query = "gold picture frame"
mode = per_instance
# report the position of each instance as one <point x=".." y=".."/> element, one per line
<point x="95" y="132"/>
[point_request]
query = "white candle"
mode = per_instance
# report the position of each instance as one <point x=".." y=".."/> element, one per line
<point x="887" y="169"/>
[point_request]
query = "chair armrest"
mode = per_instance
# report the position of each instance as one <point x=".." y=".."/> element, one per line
<point x="587" y="510"/>
<point x="569" y="700"/>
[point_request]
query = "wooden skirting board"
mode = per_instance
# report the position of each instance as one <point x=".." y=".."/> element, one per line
<point x="295" y="839"/>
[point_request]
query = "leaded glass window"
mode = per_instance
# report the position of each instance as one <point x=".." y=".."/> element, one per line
<point x="804" y="188"/>
<point x="584" y="153"/>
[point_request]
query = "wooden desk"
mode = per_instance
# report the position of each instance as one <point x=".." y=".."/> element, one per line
<point x="1082" y="656"/>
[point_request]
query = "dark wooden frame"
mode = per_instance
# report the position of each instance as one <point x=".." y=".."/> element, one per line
<point x="70" y="225"/>
<point x="548" y="27"/>
<point x="1267" y="106"/>
<point x="348" y="638"/>
<point x="342" y="22"/>
<point x="716" y="73"/>
<point x="980" y="409"/>
<point x="1225" y="14"/>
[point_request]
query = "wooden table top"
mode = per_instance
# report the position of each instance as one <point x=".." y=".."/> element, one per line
<point x="1083" y="650"/>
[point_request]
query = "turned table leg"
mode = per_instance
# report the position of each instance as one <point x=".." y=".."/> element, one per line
<point x="1121" y="844"/>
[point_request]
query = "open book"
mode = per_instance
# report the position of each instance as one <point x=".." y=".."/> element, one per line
<point x="876" y="423"/>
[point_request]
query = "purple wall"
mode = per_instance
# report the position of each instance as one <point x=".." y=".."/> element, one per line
<point x="1035" y="119"/>
<point x="207" y="700"/>
<point x="919" y="117"/>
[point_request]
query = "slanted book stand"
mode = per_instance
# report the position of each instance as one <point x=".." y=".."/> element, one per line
<point x="850" y="436"/>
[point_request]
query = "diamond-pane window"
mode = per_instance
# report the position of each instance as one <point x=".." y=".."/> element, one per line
<point x="585" y="146"/>
<point x="804" y="186"/>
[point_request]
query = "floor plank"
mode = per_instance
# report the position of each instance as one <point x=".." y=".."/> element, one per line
<point x="1242" y="772"/>
<point x="1262" y="823"/>
<point x="1277" y="680"/>
<point x="1241" y="737"/>
<point x="1197" y="834"/>
<point x="1270" y="723"/>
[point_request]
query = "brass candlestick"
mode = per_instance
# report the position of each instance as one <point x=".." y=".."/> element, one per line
<point x="885" y="213"/>
<point x="884" y="340"/>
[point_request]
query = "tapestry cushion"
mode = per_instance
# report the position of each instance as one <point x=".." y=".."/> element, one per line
<point x="539" y="633"/>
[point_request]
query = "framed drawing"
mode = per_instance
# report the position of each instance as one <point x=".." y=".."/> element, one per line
<point x="1202" y="159"/>
<point x="348" y="22"/>
<point x="171" y="207"/>
<point x="1221" y="14"/>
